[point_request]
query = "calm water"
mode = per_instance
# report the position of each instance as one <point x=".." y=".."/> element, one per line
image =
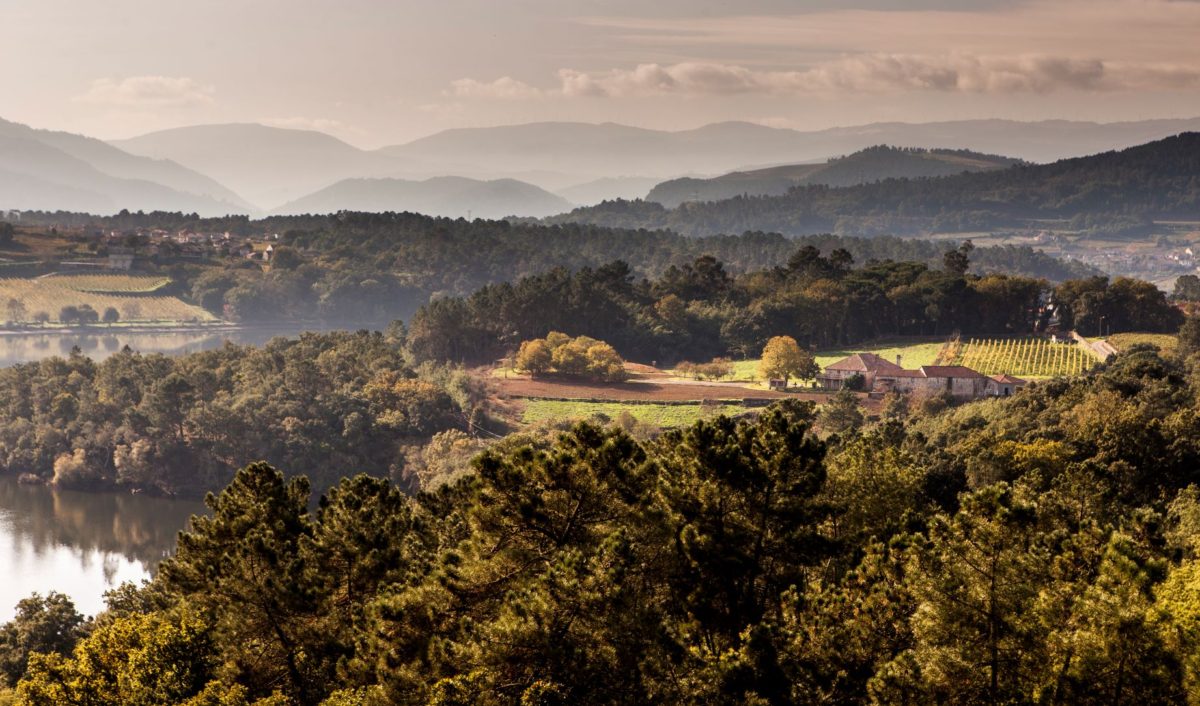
<point x="81" y="544"/>
<point x="28" y="347"/>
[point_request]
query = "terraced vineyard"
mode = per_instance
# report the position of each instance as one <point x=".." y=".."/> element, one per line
<point x="1023" y="357"/>
<point x="109" y="284"/>
<point x="42" y="300"/>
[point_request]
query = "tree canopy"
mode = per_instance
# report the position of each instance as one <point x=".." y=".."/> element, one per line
<point x="1035" y="548"/>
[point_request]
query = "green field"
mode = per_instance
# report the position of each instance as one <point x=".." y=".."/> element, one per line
<point x="1165" y="341"/>
<point x="659" y="415"/>
<point x="1023" y="357"/>
<point x="25" y="301"/>
<point x="108" y="284"/>
<point x="913" y="354"/>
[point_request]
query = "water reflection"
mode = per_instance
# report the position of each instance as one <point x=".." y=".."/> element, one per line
<point x="83" y="544"/>
<point x="25" y="347"/>
<point x="80" y="543"/>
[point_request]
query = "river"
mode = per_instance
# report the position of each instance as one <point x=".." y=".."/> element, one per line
<point x="80" y="543"/>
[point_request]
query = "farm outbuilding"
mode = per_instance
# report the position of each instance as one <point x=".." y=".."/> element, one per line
<point x="869" y="365"/>
<point x="1004" y="385"/>
<point x="881" y="375"/>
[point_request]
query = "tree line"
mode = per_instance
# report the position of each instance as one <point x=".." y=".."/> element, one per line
<point x="1132" y="187"/>
<point x="372" y="268"/>
<point x="700" y="310"/>
<point x="183" y="425"/>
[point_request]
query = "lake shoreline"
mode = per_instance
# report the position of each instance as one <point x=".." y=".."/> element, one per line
<point x="283" y="327"/>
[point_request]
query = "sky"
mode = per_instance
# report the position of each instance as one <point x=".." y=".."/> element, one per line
<point x="379" y="72"/>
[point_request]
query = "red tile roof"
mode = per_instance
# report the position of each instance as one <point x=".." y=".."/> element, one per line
<point x="950" y="371"/>
<point x="864" y="362"/>
<point x="1007" y="379"/>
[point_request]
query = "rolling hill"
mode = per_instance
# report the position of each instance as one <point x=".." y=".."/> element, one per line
<point x="269" y="166"/>
<point x="584" y="162"/>
<point x="1155" y="181"/>
<point x="593" y="151"/>
<point x="606" y="189"/>
<point x="453" y="197"/>
<point x="871" y="164"/>
<point x="46" y="170"/>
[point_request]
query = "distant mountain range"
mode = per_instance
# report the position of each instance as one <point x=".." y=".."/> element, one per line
<point x="1116" y="191"/>
<point x="268" y="165"/>
<point x="45" y="170"/>
<point x="871" y="164"/>
<point x="454" y="197"/>
<point x="237" y="168"/>
<point x="609" y="149"/>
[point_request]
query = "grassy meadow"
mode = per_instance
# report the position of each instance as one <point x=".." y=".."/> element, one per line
<point x="660" y="415"/>
<point x="24" y="300"/>
<point x="108" y="283"/>
<point x="913" y="354"/>
<point x="1166" y="342"/>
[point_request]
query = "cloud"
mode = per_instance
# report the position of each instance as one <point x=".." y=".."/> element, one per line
<point x="504" y="88"/>
<point x="147" y="92"/>
<point x="882" y="73"/>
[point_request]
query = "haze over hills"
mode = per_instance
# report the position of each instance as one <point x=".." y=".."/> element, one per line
<point x="871" y="164"/>
<point x="608" y="188"/>
<point x="608" y="149"/>
<point x="587" y="163"/>
<point x="1125" y="189"/>
<point x="50" y="170"/>
<point x="238" y="168"/>
<point x="269" y="166"/>
<point x="453" y="197"/>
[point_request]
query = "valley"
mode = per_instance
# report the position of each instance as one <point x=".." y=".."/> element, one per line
<point x="577" y="353"/>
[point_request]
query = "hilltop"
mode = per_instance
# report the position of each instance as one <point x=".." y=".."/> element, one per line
<point x="43" y="169"/>
<point x="871" y="164"/>
<point x="1137" y="185"/>
<point x="441" y="196"/>
<point x="590" y="150"/>
<point x="268" y="165"/>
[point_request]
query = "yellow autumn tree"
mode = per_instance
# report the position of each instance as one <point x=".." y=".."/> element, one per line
<point x="783" y="358"/>
<point x="534" y="357"/>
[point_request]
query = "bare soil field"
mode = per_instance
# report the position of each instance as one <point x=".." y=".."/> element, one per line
<point x="639" y="391"/>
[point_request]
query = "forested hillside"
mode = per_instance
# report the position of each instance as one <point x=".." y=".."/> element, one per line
<point x="329" y="402"/>
<point x="440" y="196"/>
<point x="366" y="269"/>
<point x="317" y="405"/>
<point x="701" y="310"/>
<point x="1152" y="181"/>
<point x="868" y="165"/>
<point x="1040" y="548"/>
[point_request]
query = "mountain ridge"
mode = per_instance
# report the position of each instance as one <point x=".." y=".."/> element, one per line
<point x="870" y="164"/>
<point x="1121" y="189"/>
<point x="448" y="196"/>
<point x="64" y="171"/>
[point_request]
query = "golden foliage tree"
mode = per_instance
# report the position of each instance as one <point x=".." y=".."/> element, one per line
<point x="784" y="358"/>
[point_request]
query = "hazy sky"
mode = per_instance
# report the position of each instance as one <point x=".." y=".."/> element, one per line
<point x="377" y="72"/>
